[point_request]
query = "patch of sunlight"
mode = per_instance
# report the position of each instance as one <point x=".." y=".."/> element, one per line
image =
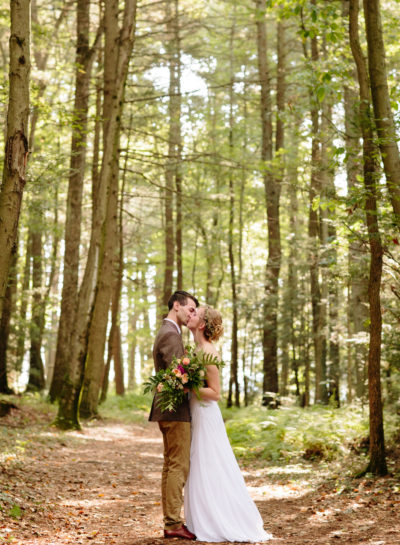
<point x="288" y="469"/>
<point x="276" y="491"/>
<point x="95" y="503"/>
<point x="148" y="439"/>
<point x="151" y="454"/>
<point x="105" y="434"/>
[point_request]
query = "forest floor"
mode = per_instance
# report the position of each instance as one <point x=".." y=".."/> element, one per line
<point x="101" y="485"/>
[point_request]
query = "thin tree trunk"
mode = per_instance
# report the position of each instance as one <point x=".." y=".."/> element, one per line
<point x="16" y="149"/>
<point x="314" y="241"/>
<point x="23" y="306"/>
<point x="115" y="73"/>
<point x="122" y="42"/>
<point x="272" y="195"/>
<point x="177" y="99"/>
<point x="329" y="289"/>
<point x="357" y="255"/>
<point x="69" y="296"/>
<point x="173" y="144"/>
<point x="9" y="302"/>
<point x="386" y="129"/>
<point x="233" y="378"/>
<point x="132" y="351"/>
<point x="114" y="342"/>
<point x="36" y="381"/>
<point x="118" y="363"/>
<point x="377" y="463"/>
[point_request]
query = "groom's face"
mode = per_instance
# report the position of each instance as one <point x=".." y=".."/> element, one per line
<point x="185" y="312"/>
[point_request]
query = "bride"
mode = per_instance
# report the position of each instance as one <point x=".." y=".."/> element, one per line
<point x="217" y="504"/>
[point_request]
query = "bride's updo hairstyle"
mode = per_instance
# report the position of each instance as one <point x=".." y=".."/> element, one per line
<point x="213" y="324"/>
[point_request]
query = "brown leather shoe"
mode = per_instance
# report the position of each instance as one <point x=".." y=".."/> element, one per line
<point x="181" y="532"/>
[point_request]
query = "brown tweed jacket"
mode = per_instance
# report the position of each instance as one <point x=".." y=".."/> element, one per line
<point x="168" y="343"/>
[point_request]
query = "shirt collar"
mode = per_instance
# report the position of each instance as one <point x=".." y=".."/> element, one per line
<point x="175" y="324"/>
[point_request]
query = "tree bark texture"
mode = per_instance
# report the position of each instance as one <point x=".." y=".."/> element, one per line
<point x="386" y="129"/>
<point x="16" y="148"/>
<point x="377" y="463"/>
<point x="121" y="40"/>
<point x="9" y="302"/>
<point x="114" y="351"/>
<point x="357" y="254"/>
<point x="69" y="295"/>
<point x="318" y="313"/>
<point x="23" y="306"/>
<point x="272" y="196"/>
<point x="174" y="145"/>
<point x="118" y="45"/>
<point x="233" y="378"/>
<point x="36" y="381"/>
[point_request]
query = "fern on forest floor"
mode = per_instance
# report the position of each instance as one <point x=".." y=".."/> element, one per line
<point x="315" y="433"/>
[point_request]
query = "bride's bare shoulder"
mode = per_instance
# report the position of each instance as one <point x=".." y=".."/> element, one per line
<point x="209" y="348"/>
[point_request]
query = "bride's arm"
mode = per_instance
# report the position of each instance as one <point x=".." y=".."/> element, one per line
<point x="213" y="389"/>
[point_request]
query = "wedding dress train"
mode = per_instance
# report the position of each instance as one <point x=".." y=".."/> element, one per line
<point x="217" y="504"/>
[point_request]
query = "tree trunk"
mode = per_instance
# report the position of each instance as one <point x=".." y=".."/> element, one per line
<point x="36" y="381"/>
<point x="291" y="299"/>
<point x="357" y="255"/>
<point x="171" y="167"/>
<point x="177" y="99"/>
<point x="272" y="196"/>
<point x="119" y="49"/>
<point x="377" y="464"/>
<point x="329" y="289"/>
<point x="233" y="378"/>
<point x="318" y="314"/>
<point x="23" y="306"/>
<point x="132" y="351"/>
<point x="16" y="149"/>
<point x="386" y="129"/>
<point x="69" y="296"/>
<point x="115" y="77"/>
<point x="114" y="342"/>
<point x="118" y="363"/>
<point x="5" y="325"/>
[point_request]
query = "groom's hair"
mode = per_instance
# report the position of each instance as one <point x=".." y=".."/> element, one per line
<point x="181" y="297"/>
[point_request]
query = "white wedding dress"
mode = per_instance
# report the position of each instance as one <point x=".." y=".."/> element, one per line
<point x="217" y="504"/>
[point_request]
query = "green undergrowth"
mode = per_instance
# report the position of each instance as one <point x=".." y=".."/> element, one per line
<point x="289" y="433"/>
<point x="256" y="433"/>
<point x="131" y="407"/>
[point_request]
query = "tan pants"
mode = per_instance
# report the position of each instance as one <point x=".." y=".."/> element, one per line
<point x="176" y="436"/>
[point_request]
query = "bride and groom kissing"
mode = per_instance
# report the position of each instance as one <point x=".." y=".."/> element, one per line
<point x="198" y="458"/>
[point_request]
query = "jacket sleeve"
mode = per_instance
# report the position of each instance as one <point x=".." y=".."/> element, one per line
<point x="170" y="346"/>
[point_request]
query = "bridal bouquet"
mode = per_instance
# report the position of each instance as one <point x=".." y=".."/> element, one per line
<point x="185" y="373"/>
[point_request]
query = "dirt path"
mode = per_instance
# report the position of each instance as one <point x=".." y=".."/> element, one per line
<point x="101" y="486"/>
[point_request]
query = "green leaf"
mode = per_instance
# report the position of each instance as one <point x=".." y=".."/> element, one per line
<point x="15" y="512"/>
<point x="315" y="203"/>
<point x="321" y="91"/>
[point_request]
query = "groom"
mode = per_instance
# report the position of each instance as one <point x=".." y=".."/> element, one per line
<point x="174" y="426"/>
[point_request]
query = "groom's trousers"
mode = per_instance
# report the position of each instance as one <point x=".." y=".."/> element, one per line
<point x="176" y="437"/>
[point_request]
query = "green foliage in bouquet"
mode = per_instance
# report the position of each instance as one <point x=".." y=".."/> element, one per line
<point x="185" y="373"/>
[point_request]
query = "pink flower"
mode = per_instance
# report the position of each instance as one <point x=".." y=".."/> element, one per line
<point x="181" y="369"/>
<point x="177" y="372"/>
<point x="186" y="361"/>
<point x="185" y="378"/>
<point x="160" y="387"/>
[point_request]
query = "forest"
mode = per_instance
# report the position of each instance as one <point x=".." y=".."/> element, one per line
<point x="246" y="152"/>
